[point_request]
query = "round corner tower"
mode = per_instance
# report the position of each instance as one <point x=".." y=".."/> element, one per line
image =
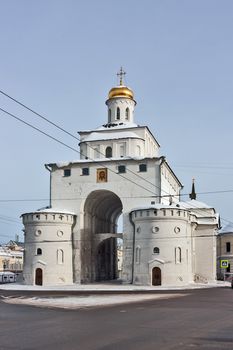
<point x="48" y="255"/>
<point x="162" y="246"/>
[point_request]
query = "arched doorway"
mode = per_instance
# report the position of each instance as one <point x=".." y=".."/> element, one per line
<point x="156" y="276"/>
<point x="99" y="237"/>
<point x="39" y="277"/>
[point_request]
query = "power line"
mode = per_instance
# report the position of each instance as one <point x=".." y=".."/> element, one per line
<point x="39" y="115"/>
<point x="152" y="196"/>
<point x="75" y="137"/>
<point x="73" y="149"/>
<point x="62" y="129"/>
<point x="9" y="218"/>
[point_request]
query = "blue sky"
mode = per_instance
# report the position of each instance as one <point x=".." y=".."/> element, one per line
<point x="61" y="59"/>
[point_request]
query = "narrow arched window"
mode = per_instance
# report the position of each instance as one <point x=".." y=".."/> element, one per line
<point x="39" y="251"/>
<point x="138" y="148"/>
<point x="109" y="115"/>
<point x="60" y="256"/>
<point x="108" y="152"/>
<point x="127" y="113"/>
<point x="138" y="255"/>
<point x="178" y="255"/>
<point x="118" y="113"/>
<point x="156" y="250"/>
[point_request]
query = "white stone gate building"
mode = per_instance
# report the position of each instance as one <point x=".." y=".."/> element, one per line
<point x="119" y="172"/>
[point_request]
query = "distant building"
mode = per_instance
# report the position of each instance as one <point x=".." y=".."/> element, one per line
<point x="119" y="259"/>
<point x="120" y="172"/>
<point x="225" y="252"/>
<point x="11" y="257"/>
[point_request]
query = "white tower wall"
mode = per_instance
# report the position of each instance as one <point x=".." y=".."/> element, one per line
<point x="48" y="242"/>
<point x="163" y="240"/>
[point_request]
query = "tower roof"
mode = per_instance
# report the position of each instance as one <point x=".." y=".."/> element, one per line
<point x="193" y="194"/>
<point x="121" y="91"/>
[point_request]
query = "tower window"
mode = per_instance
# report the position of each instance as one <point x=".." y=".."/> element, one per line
<point x="39" y="251"/>
<point x="228" y="247"/>
<point x="67" y="172"/>
<point x="156" y="250"/>
<point x="122" y="150"/>
<point x="142" y="167"/>
<point x="109" y="115"/>
<point x="178" y="255"/>
<point x="121" y="169"/>
<point x="60" y="256"/>
<point x="108" y="152"/>
<point x="85" y="171"/>
<point x="118" y="113"/>
<point x="138" y="255"/>
<point x="127" y="113"/>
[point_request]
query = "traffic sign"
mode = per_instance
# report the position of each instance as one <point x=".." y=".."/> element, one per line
<point x="224" y="264"/>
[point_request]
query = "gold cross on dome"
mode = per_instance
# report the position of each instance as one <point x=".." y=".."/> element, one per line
<point x="121" y="74"/>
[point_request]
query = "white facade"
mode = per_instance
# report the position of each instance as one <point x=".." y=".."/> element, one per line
<point x="119" y="169"/>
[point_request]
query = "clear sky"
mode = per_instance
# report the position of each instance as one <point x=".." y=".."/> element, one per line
<point x="61" y="58"/>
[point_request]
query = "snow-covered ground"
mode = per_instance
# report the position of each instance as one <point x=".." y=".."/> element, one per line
<point x="92" y="299"/>
<point x="89" y="301"/>
<point x="109" y="287"/>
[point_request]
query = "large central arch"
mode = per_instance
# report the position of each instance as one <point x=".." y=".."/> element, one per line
<point x="102" y="209"/>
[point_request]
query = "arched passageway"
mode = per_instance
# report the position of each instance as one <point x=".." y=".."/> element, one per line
<point x="99" y="239"/>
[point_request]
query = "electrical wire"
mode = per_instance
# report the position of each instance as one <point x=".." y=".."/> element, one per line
<point x="125" y="197"/>
<point x="73" y="149"/>
<point x="68" y="133"/>
<point x="73" y="136"/>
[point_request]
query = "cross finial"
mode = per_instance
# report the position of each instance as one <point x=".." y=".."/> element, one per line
<point x="121" y="74"/>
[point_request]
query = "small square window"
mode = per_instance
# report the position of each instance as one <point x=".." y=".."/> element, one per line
<point x="142" y="167"/>
<point x="85" y="171"/>
<point x="121" y="169"/>
<point x="67" y="172"/>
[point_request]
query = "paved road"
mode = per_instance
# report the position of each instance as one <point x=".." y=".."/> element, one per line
<point x="203" y="319"/>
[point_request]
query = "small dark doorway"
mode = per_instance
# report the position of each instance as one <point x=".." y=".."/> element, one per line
<point x="39" y="277"/>
<point x="156" y="276"/>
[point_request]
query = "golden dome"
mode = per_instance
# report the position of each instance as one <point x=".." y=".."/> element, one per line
<point x="121" y="91"/>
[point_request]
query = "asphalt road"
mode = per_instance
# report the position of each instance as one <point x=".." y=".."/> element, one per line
<point x="203" y="319"/>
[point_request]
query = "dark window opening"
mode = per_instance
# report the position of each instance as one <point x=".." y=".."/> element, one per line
<point x="39" y="251"/>
<point x="118" y="113"/>
<point x="108" y="152"/>
<point x="142" y="167"/>
<point x="121" y="169"/>
<point x="228" y="247"/>
<point x="156" y="250"/>
<point x="67" y="172"/>
<point x="85" y="171"/>
<point x="127" y="113"/>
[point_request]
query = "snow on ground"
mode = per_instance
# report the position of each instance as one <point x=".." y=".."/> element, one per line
<point x="88" y="301"/>
<point x="93" y="298"/>
<point x="109" y="287"/>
